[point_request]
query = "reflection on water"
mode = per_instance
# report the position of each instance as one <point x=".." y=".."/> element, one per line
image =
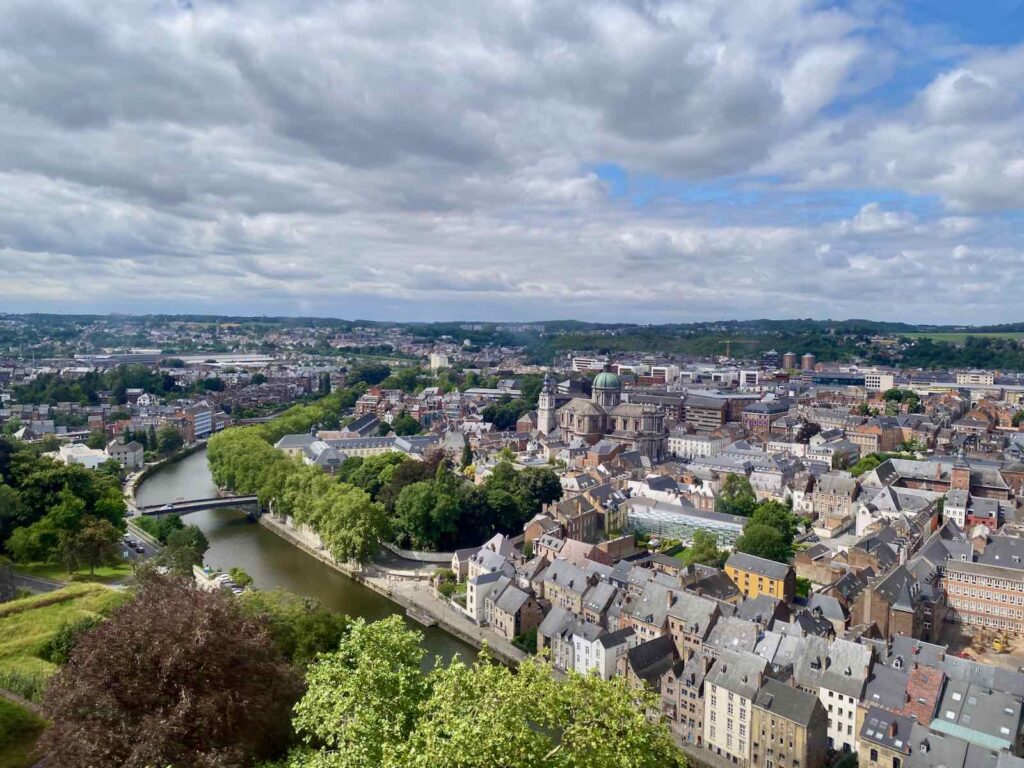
<point x="270" y="560"/>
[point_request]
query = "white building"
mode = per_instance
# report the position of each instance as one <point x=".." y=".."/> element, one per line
<point x="589" y="363"/>
<point x="876" y="381"/>
<point x="479" y="588"/>
<point x="977" y="378"/>
<point x="600" y="651"/>
<point x="729" y="691"/>
<point x="683" y="445"/>
<point x="81" y="454"/>
<point x="438" y="361"/>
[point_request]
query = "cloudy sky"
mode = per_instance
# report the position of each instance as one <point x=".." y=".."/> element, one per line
<point x="638" y="160"/>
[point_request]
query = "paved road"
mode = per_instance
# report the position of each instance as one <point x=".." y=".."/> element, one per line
<point x="35" y="584"/>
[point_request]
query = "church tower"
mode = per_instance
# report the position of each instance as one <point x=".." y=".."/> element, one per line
<point x="546" y="407"/>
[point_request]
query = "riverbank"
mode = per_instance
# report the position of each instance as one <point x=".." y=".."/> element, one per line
<point x="133" y="481"/>
<point x="409" y="589"/>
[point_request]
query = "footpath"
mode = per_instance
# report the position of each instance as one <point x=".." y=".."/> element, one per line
<point x="411" y="589"/>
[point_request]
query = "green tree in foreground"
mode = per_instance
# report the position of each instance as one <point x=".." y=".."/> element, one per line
<point x="370" y="704"/>
<point x="176" y="677"/>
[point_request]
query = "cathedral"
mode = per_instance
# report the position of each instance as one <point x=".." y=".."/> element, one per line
<point x="604" y="417"/>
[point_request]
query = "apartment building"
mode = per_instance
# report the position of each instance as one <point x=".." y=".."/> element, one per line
<point x="729" y="691"/>
<point x="689" y="445"/>
<point x="988" y="592"/>
<point x="788" y="728"/>
<point x="976" y="378"/>
<point x="755" y="576"/>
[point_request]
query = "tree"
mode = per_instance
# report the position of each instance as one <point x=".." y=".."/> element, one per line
<point x="540" y="486"/>
<point x="259" y="378"/>
<point x="467" y="453"/>
<point x="406" y="425"/>
<point x="776" y="515"/>
<point x="10" y="511"/>
<point x="168" y="440"/>
<point x="96" y="542"/>
<point x="135" y="694"/>
<point x="865" y="464"/>
<point x="736" y="496"/>
<point x="807" y="430"/>
<point x="504" y="415"/>
<point x="703" y="549"/>
<point x="363" y="700"/>
<point x="763" y="541"/>
<point x="1018" y="417"/>
<point x="301" y="627"/>
<point x="57" y="649"/>
<point x="240" y="577"/>
<point x="185" y="547"/>
<point x="8" y="587"/>
<point x="96" y="440"/>
<point x="371" y="704"/>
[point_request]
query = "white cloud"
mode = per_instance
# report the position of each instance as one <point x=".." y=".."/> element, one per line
<point x="436" y="159"/>
<point x="873" y="220"/>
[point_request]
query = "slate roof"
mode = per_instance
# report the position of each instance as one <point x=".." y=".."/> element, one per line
<point x="568" y="576"/>
<point x="886" y="729"/>
<point x="600" y="596"/>
<point x="905" y="651"/>
<point x="696" y="613"/>
<point x="557" y="623"/>
<point x="887" y="687"/>
<point x="619" y="637"/>
<point x="982" y="716"/>
<point x="761" y="609"/>
<point x="841" y="666"/>
<point x="740" y="673"/>
<point x="651" y="607"/>
<point x="786" y="702"/>
<point x="899" y="588"/>
<point x="733" y="634"/>
<point x="512" y="599"/>
<point x="650" y="660"/>
<point x="759" y="565"/>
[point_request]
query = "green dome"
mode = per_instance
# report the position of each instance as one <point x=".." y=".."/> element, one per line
<point x="607" y="380"/>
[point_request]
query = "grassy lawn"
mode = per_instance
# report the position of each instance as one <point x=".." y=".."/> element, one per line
<point x="56" y="572"/>
<point x="27" y="623"/>
<point x="19" y="730"/>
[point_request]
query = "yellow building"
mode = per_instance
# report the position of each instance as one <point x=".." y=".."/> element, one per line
<point x="755" y="576"/>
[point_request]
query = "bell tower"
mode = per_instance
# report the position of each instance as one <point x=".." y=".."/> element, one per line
<point x="546" y="406"/>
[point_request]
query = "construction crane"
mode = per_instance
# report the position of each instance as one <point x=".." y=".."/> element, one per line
<point x="729" y="342"/>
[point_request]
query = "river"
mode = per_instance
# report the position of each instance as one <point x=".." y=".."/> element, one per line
<point x="272" y="562"/>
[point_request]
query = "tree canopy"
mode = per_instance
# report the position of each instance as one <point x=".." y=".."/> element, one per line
<point x="371" y="703"/>
<point x="736" y="496"/>
<point x="177" y="676"/>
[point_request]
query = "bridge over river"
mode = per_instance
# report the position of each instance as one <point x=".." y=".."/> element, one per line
<point x="184" y="507"/>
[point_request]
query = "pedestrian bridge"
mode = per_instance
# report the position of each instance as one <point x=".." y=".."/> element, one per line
<point x="198" y="505"/>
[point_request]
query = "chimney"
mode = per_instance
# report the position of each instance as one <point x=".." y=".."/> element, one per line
<point x="669" y="598"/>
<point x="892" y="729"/>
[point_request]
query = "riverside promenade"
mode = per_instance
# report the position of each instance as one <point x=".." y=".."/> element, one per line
<point x="408" y="587"/>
